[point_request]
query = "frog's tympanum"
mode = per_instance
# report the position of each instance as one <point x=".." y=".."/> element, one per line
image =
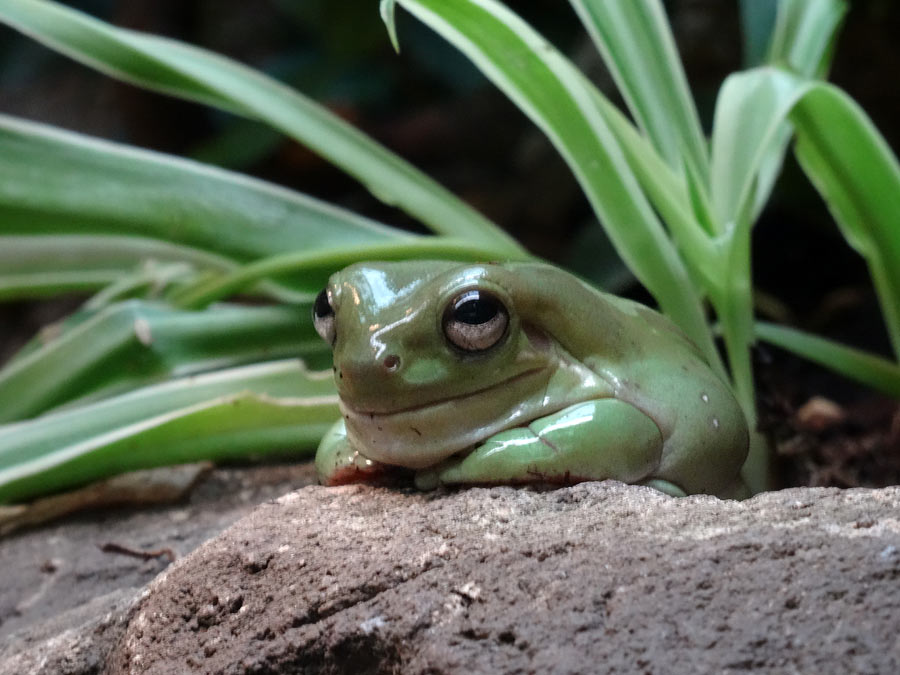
<point x="517" y="373"/>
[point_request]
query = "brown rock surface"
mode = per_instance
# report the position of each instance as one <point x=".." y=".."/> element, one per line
<point x="64" y="602"/>
<point x="596" y="578"/>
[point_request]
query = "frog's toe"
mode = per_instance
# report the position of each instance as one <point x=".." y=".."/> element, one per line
<point x="664" y="486"/>
<point x="428" y="479"/>
<point x="339" y="463"/>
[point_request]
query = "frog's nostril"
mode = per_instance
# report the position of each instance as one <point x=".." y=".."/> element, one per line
<point x="391" y="362"/>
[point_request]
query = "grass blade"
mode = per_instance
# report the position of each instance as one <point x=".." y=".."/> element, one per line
<point x="188" y="72"/>
<point x="57" y="182"/>
<point x="133" y="343"/>
<point x="749" y="126"/>
<point x="747" y="146"/>
<point x="872" y="371"/>
<point x="317" y="266"/>
<point x="280" y="409"/>
<point x="856" y="173"/>
<point x="638" y="48"/>
<point x="804" y="35"/>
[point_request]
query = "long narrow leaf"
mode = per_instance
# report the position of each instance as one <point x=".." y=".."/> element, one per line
<point x="316" y="266"/>
<point x="747" y="144"/>
<point x="668" y="193"/>
<point x="638" y="48"/>
<point x="804" y="33"/>
<point x="57" y="182"/>
<point x="188" y="72"/>
<point x="803" y="40"/>
<point x="872" y="371"/>
<point x="855" y="171"/>
<point x="279" y="408"/>
<point x="135" y="343"/>
<point x="749" y="126"/>
<point x="34" y="266"/>
<point x="547" y="88"/>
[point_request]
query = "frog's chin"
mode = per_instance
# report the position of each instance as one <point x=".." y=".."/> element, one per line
<point x="423" y="435"/>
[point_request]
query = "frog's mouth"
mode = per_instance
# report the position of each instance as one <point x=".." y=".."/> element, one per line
<point x="424" y="434"/>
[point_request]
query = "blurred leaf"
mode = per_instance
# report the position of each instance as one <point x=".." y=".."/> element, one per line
<point x="853" y="168"/>
<point x="872" y="371"/>
<point x="137" y="204"/>
<point x="749" y="134"/>
<point x="748" y="127"/>
<point x="804" y="34"/>
<point x="638" y="48"/>
<point x="280" y="409"/>
<point x="133" y="343"/>
<point x="316" y="266"/>
<point x="188" y="72"/>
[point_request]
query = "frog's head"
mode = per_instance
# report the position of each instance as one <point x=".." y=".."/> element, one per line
<point x="429" y="357"/>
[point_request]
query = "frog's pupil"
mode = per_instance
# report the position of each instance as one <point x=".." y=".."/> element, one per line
<point x="321" y="307"/>
<point x="475" y="309"/>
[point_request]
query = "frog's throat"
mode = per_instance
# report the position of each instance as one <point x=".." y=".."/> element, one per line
<point x="447" y="399"/>
<point x="420" y="436"/>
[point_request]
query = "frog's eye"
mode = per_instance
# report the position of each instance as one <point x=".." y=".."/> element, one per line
<point x="323" y="317"/>
<point x="475" y="321"/>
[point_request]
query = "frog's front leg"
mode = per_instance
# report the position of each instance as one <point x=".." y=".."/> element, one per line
<point x="595" y="440"/>
<point x="339" y="463"/>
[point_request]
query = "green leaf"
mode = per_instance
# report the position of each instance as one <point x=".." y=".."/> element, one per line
<point x="855" y="171"/>
<point x="316" y="266"/>
<point x="59" y="183"/>
<point x="872" y="371"/>
<point x="133" y="343"/>
<point x="188" y="72"/>
<point x="749" y="134"/>
<point x="35" y="266"/>
<point x="804" y="34"/>
<point x="638" y="48"/>
<point x="749" y="126"/>
<point x="547" y="88"/>
<point x="280" y="408"/>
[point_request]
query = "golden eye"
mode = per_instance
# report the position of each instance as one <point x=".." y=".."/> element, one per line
<point x="475" y="321"/>
<point x="323" y="317"/>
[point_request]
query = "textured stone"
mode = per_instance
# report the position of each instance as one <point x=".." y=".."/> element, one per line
<point x="64" y="602"/>
<point x="597" y="578"/>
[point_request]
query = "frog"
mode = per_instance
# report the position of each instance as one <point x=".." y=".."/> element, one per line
<point x="502" y="373"/>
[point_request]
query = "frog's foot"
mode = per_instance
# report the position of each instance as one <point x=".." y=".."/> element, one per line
<point x="339" y="463"/>
<point x="664" y="486"/>
<point x="596" y="440"/>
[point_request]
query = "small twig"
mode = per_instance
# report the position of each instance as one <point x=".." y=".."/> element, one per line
<point x="135" y="553"/>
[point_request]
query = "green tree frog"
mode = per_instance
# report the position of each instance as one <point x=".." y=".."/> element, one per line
<point x="517" y="373"/>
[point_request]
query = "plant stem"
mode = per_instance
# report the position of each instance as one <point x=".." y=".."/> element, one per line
<point x="733" y="302"/>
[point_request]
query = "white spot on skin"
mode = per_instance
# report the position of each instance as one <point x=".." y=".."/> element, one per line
<point x="715" y="422"/>
<point x="142" y="332"/>
<point x="704" y="397"/>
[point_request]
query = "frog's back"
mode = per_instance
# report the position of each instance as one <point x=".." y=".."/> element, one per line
<point x="651" y="364"/>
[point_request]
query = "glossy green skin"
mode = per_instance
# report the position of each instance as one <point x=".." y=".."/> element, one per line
<point x="584" y="386"/>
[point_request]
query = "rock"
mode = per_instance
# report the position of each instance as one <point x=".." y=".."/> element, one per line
<point x="64" y="602"/>
<point x="599" y="577"/>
